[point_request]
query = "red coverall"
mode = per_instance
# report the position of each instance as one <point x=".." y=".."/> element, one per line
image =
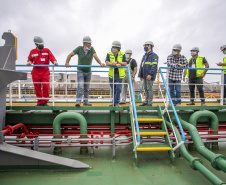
<point x="41" y="74"/>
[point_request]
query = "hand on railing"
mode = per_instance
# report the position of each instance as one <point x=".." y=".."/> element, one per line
<point x="55" y="63"/>
<point x="67" y="65"/>
<point x="29" y="63"/>
<point x="102" y="64"/>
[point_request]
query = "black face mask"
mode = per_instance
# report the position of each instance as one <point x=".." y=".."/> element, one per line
<point x="40" y="47"/>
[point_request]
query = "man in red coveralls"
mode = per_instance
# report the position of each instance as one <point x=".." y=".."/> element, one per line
<point x="41" y="75"/>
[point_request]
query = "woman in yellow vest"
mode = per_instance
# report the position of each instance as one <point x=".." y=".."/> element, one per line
<point x="223" y="49"/>
<point x="117" y="59"/>
<point x="196" y="75"/>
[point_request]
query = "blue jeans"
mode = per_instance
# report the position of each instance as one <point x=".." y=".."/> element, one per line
<point x="83" y="79"/>
<point x="117" y="88"/>
<point x="175" y="91"/>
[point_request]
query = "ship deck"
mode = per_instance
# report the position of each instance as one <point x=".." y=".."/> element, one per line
<point x="152" y="168"/>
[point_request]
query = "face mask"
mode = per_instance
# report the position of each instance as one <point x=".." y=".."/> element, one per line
<point x="174" y="53"/>
<point x="145" y="48"/>
<point x="127" y="55"/>
<point x="40" y="47"/>
<point x="88" y="48"/>
<point x="224" y="52"/>
<point x="193" y="53"/>
<point x="113" y="50"/>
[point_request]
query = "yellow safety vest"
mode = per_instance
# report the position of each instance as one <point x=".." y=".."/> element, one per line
<point x="224" y="67"/>
<point x="199" y="64"/>
<point x="119" y="59"/>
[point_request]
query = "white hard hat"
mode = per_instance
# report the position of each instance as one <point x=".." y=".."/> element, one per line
<point x="129" y="51"/>
<point x="195" y="49"/>
<point x="177" y="47"/>
<point x="149" y="43"/>
<point x="116" y="44"/>
<point x="223" y="47"/>
<point x="87" y="39"/>
<point x="38" y="40"/>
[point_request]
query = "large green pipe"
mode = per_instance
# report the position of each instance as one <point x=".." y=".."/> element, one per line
<point x="214" y="123"/>
<point x="195" y="162"/>
<point x="217" y="160"/>
<point x="69" y="115"/>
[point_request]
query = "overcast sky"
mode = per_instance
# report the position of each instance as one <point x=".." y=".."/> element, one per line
<point x="63" y="23"/>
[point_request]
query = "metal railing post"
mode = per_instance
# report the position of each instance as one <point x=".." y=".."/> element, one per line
<point x="66" y="85"/>
<point x="167" y="86"/>
<point x="113" y="89"/>
<point x="53" y="102"/>
<point x="19" y="94"/>
<point x="195" y="93"/>
<point x="10" y="95"/>
<point x="222" y="88"/>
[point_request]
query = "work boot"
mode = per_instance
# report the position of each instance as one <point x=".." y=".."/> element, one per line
<point x="191" y="103"/>
<point x="77" y="104"/>
<point x="121" y="102"/>
<point x="38" y="105"/>
<point x="45" y="104"/>
<point x="87" y="104"/>
<point x="203" y="104"/>
<point x="143" y="104"/>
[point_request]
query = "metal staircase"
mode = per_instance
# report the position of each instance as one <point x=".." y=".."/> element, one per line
<point x="149" y="135"/>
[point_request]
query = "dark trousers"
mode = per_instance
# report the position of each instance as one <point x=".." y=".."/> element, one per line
<point x="225" y="86"/>
<point x="197" y="80"/>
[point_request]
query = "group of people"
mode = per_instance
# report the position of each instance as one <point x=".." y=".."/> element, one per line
<point x="147" y="71"/>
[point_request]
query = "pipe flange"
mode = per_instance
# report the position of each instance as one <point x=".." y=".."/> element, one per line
<point x="214" y="160"/>
<point x="193" y="161"/>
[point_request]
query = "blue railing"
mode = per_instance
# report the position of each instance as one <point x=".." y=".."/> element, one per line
<point x="130" y="84"/>
<point x="168" y="94"/>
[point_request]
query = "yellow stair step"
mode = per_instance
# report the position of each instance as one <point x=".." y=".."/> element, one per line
<point x="152" y="133"/>
<point x="149" y="120"/>
<point x="153" y="147"/>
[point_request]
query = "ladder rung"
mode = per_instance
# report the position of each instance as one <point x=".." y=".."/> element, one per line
<point x="151" y="133"/>
<point x="149" y="120"/>
<point x="154" y="149"/>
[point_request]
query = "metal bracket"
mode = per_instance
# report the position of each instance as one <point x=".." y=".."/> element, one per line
<point x="178" y="145"/>
<point x="36" y="144"/>
<point x="1" y="137"/>
<point x="135" y="149"/>
<point x="113" y="148"/>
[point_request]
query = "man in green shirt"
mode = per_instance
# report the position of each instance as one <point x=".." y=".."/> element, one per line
<point x="85" y="56"/>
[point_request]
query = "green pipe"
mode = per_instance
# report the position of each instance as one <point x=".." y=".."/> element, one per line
<point x="195" y="163"/>
<point x="217" y="160"/>
<point x="57" y="127"/>
<point x="214" y="124"/>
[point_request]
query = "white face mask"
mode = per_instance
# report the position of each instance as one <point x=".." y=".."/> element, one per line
<point x="174" y="53"/>
<point x="193" y="53"/>
<point x="224" y="52"/>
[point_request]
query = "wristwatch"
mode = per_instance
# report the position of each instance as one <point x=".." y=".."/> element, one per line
<point x="133" y="76"/>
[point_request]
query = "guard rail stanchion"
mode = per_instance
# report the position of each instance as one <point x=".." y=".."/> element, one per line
<point x="10" y="95"/>
<point x="53" y="85"/>
<point x="222" y="88"/>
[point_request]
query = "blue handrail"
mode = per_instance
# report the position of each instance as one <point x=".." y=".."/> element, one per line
<point x="170" y="100"/>
<point x="130" y="83"/>
<point x="168" y="94"/>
